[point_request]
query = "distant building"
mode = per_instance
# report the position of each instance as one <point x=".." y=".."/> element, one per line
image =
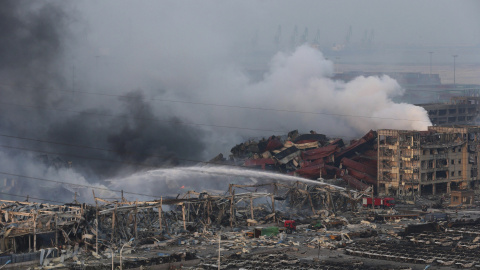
<point x="441" y="159"/>
<point x="459" y="111"/>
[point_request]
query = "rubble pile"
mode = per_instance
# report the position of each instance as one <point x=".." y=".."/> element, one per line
<point x="82" y="233"/>
<point x="311" y="156"/>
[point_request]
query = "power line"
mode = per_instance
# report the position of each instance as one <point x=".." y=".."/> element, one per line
<point x="59" y="143"/>
<point x="113" y="190"/>
<point x="176" y="122"/>
<point x="244" y="107"/>
<point x="233" y="106"/>
<point x="89" y="186"/>
<point x="170" y="121"/>
<point x="73" y="184"/>
<point x="157" y="120"/>
<point x="101" y="149"/>
<point x="30" y="197"/>
<point x="84" y="157"/>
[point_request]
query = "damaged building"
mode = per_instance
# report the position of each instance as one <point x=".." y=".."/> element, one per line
<point x="440" y="159"/>
<point x="394" y="162"/>
<point x="312" y="156"/>
<point x="460" y="110"/>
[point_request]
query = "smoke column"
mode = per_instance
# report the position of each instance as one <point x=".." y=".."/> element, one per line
<point x="51" y="54"/>
<point x="300" y="81"/>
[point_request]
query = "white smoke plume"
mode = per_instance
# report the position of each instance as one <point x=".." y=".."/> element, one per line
<point x="298" y="93"/>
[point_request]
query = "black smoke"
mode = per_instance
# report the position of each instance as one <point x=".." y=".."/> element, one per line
<point x="30" y="49"/>
<point x="118" y="135"/>
<point x="136" y="137"/>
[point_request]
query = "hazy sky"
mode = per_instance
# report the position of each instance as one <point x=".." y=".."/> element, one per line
<point x="437" y="23"/>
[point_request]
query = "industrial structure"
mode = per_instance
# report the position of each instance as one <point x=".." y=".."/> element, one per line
<point x="441" y="159"/>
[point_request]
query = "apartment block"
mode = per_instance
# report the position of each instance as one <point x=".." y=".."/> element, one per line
<point x="439" y="160"/>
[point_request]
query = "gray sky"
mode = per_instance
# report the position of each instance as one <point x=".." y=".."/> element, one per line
<point x="434" y="23"/>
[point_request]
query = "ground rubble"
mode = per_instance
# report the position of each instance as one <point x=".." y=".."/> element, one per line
<point x="330" y="238"/>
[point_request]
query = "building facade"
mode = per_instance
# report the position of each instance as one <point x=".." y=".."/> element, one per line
<point x="439" y="160"/>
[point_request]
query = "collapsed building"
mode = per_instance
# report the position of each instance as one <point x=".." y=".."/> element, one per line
<point x="398" y="162"/>
<point x="313" y="156"/>
<point x="440" y="159"/>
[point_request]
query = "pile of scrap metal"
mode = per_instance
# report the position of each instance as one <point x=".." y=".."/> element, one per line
<point x="312" y="156"/>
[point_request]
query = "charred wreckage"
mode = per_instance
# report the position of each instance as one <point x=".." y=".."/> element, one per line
<point x="253" y="225"/>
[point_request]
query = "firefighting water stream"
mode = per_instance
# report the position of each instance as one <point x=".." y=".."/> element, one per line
<point x="170" y="182"/>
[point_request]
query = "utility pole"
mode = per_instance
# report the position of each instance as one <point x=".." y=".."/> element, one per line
<point x="337" y="62"/>
<point x="293" y="39"/>
<point x="454" y="57"/>
<point x="219" y="240"/>
<point x="430" y="63"/>
<point x="73" y="78"/>
<point x="96" y="72"/>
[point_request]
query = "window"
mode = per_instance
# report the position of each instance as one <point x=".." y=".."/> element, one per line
<point x="453" y="173"/>
<point x="459" y="161"/>
<point x="452" y="162"/>
<point x="459" y="173"/>
<point x="431" y="152"/>
<point x="453" y="149"/>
